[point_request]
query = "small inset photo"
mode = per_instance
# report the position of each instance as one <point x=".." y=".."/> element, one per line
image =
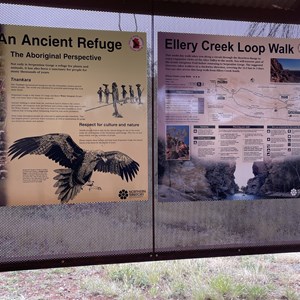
<point x="177" y="142"/>
<point x="285" y="70"/>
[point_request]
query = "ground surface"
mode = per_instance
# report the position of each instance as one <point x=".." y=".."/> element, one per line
<point x="250" y="277"/>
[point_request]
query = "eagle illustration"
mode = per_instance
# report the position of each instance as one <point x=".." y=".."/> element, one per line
<point x="79" y="164"/>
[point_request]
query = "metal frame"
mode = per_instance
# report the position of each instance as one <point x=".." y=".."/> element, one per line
<point x="94" y="259"/>
<point x="192" y="9"/>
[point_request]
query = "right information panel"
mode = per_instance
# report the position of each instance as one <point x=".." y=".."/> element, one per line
<point x="229" y="117"/>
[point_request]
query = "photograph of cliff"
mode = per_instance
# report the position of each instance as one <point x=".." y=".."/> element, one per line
<point x="194" y="179"/>
<point x="285" y="70"/>
<point x="200" y="180"/>
<point x="273" y="179"/>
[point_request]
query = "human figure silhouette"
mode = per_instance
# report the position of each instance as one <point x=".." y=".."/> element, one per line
<point x="106" y="92"/>
<point x="139" y="92"/>
<point x="131" y="94"/>
<point x="115" y="96"/>
<point x="124" y="93"/>
<point x="100" y="92"/>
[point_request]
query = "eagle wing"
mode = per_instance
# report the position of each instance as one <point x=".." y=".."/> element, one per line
<point x="57" y="146"/>
<point x="118" y="163"/>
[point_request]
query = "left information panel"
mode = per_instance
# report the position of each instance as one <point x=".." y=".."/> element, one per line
<point x="76" y="121"/>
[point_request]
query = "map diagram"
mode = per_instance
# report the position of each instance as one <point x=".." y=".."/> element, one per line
<point x="264" y="103"/>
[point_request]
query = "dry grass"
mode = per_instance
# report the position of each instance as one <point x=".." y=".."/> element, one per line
<point x="258" y="277"/>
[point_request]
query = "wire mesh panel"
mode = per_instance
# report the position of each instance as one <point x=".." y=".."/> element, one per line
<point x="211" y="192"/>
<point x="36" y="229"/>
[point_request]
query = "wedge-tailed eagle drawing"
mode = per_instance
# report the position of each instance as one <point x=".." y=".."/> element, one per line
<point x="79" y="164"/>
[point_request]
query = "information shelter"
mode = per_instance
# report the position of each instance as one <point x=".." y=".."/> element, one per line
<point x="134" y="133"/>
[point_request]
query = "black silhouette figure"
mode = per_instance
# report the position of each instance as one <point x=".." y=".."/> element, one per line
<point x="139" y="92"/>
<point x="106" y="92"/>
<point x="131" y="94"/>
<point x="115" y="96"/>
<point x="124" y="93"/>
<point x="100" y="92"/>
